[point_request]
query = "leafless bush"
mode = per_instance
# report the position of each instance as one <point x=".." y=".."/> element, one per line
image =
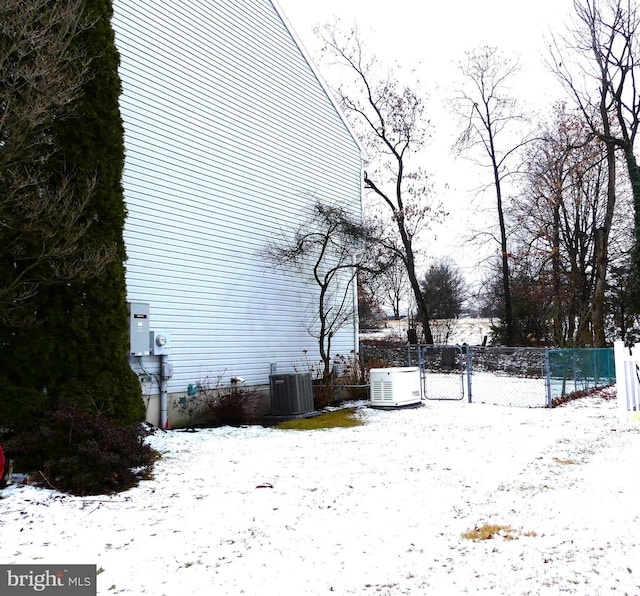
<point x="221" y="403"/>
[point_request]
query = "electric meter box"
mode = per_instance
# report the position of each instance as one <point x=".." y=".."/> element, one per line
<point x="139" y="329"/>
<point x="159" y="342"/>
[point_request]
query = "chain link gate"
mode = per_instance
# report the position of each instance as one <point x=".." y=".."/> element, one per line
<point x="442" y="371"/>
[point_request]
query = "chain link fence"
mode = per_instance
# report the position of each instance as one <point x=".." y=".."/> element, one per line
<point x="526" y="377"/>
<point x="508" y="376"/>
<point x="570" y="371"/>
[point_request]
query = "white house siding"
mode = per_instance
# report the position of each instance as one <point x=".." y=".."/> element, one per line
<point x="229" y="134"/>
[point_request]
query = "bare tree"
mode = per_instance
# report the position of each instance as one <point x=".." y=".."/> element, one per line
<point x="392" y="285"/>
<point x="391" y="120"/>
<point x="562" y="205"/>
<point x="370" y="312"/>
<point x="41" y="221"/>
<point x="598" y="64"/>
<point x="489" y="114"/>
<point x="327" y="246"/>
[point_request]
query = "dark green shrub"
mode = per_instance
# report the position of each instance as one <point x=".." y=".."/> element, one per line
<point x="76" y="346"/>
<point x="83" y="454"/>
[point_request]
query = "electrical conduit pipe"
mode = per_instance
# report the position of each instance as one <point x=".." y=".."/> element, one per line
<point x="164" y="421"/>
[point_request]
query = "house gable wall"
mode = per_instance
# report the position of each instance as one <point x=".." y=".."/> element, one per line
<point x="229" y="138"/>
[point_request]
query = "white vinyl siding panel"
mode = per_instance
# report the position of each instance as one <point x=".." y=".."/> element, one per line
<point x="229" y="137"/>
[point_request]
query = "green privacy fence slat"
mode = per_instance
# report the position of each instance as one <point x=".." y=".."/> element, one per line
<point x="570" y="370"/>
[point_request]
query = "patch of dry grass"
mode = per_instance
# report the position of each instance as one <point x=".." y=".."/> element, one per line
<point x="564" y="462"/>
<point x="488" y="531"/>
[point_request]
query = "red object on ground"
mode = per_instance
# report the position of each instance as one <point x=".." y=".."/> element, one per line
<point x="1" y="463"/>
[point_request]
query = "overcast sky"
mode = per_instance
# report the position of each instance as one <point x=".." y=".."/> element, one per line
<point x="436" y="33"/>
<point x="433" y="38"/>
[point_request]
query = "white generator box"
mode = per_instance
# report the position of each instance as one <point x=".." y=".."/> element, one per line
<point x="395" y="386"/>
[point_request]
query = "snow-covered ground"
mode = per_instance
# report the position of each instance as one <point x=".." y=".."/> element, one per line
<point x="379" y="509"/>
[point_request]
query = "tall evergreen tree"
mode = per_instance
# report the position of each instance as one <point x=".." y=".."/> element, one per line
<point x="77" y="350"/>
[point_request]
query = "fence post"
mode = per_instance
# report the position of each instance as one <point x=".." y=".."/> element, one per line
<point x="469" y="371"/>
<point x="611" y="366"/>
<point x="547" y="376"/>
<point x="624" y="379"/>
<point x="423" y="374"/>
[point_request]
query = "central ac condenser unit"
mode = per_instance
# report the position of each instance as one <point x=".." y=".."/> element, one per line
<point x="395" y="386"/>
<point x="291" y="394"/>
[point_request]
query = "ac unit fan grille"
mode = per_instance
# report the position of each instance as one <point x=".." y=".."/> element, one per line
<point x="291" y="394"/>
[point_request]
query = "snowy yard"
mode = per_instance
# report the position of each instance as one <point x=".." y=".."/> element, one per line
<point x="376" y="509"/>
